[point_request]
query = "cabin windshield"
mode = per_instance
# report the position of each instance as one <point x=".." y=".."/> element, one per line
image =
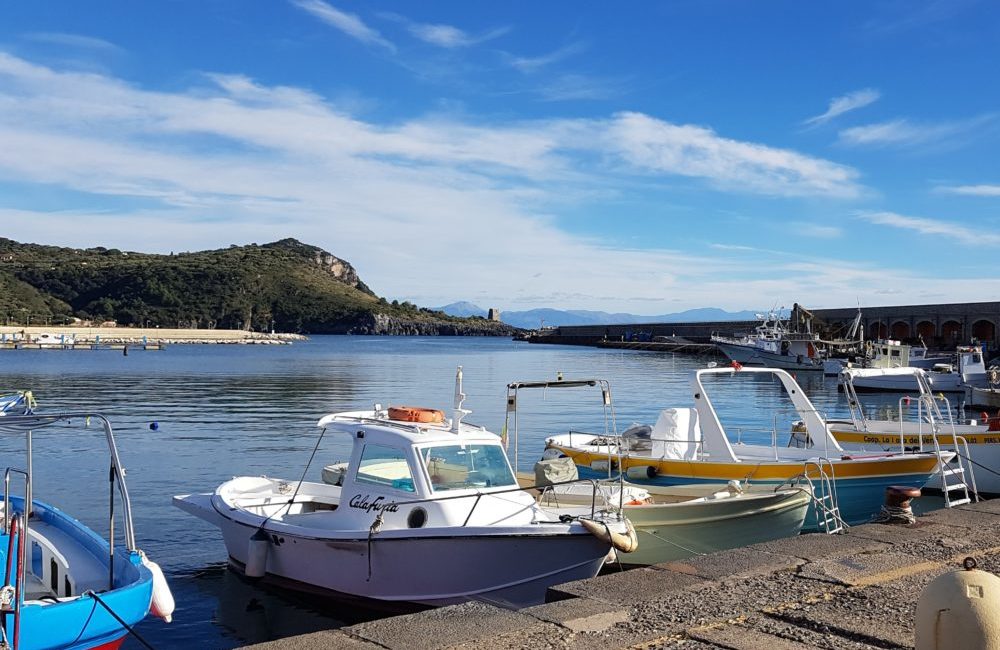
<point x="463" y="467"/>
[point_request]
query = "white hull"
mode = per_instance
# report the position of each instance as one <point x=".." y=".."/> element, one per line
<point x="751" y="356"/>
<point x="982" y="397"/>
<point x="939" y="382"/>
<point x="510" y="566"/>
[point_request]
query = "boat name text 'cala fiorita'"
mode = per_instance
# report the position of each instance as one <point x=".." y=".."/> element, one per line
<point x="361" y="502"/>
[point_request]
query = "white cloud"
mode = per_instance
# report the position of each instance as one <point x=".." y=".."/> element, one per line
<point x="697" y="151"/>
<point x="349" y="24"/>
<point x="534" y="64"/>
<point x="903" y="132"/>
<point x="451" y="37"/>
<point x="233" y="161"/>
<point x="845" y="103"/>
<point x="71" y="40"/>
<point x="933" y="227"/>
<point x="971" y="190"/>
<point x="815" y="230"/>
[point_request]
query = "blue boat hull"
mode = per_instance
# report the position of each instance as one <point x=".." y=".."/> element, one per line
<point x="78" y="622"/>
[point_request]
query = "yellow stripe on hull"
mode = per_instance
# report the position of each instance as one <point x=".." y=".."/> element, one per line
<point x="859" y="467"/>
<point x="881" y="438"/>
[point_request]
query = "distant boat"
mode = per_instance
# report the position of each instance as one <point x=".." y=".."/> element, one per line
<point x="48" y="340"/>
<point x="968" y="369"/>
<point x="774" y="345"/>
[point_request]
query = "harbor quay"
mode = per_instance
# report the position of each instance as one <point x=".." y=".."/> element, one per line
<point x="22" y="337"/>
<point x="938" y="325"/>
<point x="855" y="590"/>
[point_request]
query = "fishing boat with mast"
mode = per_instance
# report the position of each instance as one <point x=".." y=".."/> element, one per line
<point x="426" y="512"/>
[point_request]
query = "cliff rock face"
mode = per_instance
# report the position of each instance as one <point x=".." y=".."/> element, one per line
<point x="340" y="270"/>
<point x="385" y="324"/>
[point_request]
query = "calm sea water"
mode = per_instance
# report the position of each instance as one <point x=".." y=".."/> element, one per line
<point x="224" y="411"/>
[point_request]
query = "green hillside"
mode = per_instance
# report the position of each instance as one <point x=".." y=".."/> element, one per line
<point x="286" y="285"/>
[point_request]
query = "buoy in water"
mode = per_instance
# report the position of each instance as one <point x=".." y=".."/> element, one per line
<point x="153" y="426"/>
<point x="257" y="554"/>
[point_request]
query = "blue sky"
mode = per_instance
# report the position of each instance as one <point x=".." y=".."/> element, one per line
<point x="560" y="154"/>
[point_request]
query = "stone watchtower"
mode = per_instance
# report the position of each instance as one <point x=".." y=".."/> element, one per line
<point x="493" y="314"/>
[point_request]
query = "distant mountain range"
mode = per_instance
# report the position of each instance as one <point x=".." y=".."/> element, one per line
<point x="535" y="318"/>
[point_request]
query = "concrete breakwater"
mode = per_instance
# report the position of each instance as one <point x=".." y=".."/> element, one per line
<point x="857" y="590"/>
<point x="33" y="337"/>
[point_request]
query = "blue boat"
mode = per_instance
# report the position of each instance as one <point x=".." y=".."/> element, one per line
<point x="20" y="403"/>
<point x="65" y="586"/>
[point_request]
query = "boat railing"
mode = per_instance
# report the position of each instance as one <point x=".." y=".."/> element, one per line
<point x="22" y="519"/>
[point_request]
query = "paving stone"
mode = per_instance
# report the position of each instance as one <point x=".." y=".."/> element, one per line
<point x="866" y="568"/>
<point x="814" y="546"/>
<point x="325" y="640"/>
<point x="440" y="628"/>
<point x="968" y="518"/>
<point x="737" y="637"/>
<point x="579" y="614"/>
<point x="734" y="563"/>
<point x="898" y="534"/>
<point x="626" y="587"/>
<point x="991" y="506"/>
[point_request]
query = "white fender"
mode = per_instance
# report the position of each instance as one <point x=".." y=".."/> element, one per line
<point x="162" y="603"/>
<point x="626" y="543"/>
<point x="256" y="565"/>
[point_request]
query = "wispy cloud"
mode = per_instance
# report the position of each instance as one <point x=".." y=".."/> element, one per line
<point x="696" y="151"/>
<point x="933" y="227"/>
<point x="903" y="132"/>
<point x="349" y="24"/>
<point x="971" y="190"/>
<point x="575" y="87"/>
<point x="815" y="230"/>
<point x="534" y="64"/>
<point x="71" y="40"/>
<point x="849" y="102"/>
<point x="450" y="37"/>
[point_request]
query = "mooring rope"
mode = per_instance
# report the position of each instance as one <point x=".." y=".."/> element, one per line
<point x="118" y="618"/>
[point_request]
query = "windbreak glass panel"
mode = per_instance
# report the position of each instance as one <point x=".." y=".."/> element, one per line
<point x="462" y="467"/>
<point x="386" y="467"/>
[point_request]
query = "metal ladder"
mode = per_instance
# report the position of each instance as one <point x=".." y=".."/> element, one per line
<point x="960" y="478"/>
<point x="954" y="478"/>
<point x="824" y="491"/>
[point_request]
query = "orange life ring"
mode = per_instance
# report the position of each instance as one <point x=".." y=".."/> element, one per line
<point x="416" y="414"/>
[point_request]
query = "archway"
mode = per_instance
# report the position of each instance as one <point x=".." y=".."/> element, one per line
<point x="951" y="331"/>
<point x="984" y="330"/>
<point x="925" y="328"/>
<point x="878" y="330"/>
<point x="900" y="330"/>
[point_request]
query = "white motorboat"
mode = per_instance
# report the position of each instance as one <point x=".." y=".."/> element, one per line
<point x="985" y="397"/>
<point x="969" y="370"/>
<point x="925" y="421"/>
<point x="428" y="511"/>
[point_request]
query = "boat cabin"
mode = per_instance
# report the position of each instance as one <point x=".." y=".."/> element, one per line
<point x="414" y="474"/>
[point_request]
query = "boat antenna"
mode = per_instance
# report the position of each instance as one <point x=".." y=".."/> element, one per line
<point x="459" y="413"/>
